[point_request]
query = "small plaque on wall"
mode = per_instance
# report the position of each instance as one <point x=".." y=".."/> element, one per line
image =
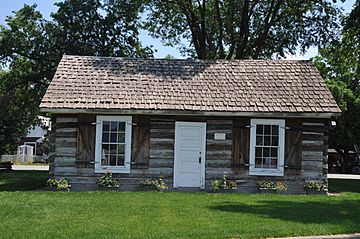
<point x="220" y="136"/>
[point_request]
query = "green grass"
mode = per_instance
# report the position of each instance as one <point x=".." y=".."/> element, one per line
<point x="172" y="215"/>
<point x="22" y="180"/>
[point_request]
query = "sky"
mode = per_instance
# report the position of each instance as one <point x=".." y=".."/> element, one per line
<point x="47" y="6"/>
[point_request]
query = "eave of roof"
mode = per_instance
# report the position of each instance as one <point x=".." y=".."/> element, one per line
<point x="190" y="113"/>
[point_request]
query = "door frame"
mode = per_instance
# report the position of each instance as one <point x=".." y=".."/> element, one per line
<point x="178" y="125"/>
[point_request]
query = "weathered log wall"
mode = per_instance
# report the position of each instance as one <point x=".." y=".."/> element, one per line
<point x="314" y="151"/>
<point x="153" y="150"/>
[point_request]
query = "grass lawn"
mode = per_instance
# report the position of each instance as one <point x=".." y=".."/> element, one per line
<point x="22" y="180"/>
<point x="173" y="215"/>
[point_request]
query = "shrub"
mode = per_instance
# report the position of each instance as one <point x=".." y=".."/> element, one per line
<point x="108" y="181"/>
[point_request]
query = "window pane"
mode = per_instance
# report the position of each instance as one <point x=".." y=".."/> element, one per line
<point x="275" y="141"/>
<point x="105" y="149"/>
<point x="266" y="152"/>
<point x="121" y="149"/>
<point x="121" y="138"/>
<point x="258" y="162"/>
<point x="259" y="140"/>
<point x="274" y="152"/>
<point x="106" y="125"/>
<point x="113" y="149"/>
<point x="273" y="163"/>
<point x="258" y="152"/>
<point x="112" y="160"/>
<point x="267" y="129"/>
<point x="105" y="137"/>
<point x="114" y="126"/>
<point x="266" y="163"/>
<point x="267" y="140"/>
<point x="113" y="137"/>
<point x="121" y="160"/>
<point x="104" y="160"/>
<point x="275" y="130"/>
<point x="259" y="129"/>
<point x="121" y="126"/>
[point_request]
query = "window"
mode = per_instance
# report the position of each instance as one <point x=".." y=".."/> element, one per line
<point x="267" y="141"/>
<point x="113" y="144"/>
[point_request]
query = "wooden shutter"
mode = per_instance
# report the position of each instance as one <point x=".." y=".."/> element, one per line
<point x="241" y="143"/>
<point x="140" y="142"/>
<point x="85" y="155"/>
<point x="293" y="144"/>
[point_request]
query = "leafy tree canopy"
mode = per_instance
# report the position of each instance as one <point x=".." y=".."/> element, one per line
<point x="105" y="28"/>
<point x="31" y="47"/>
<point x="340" y="65"/>
<point x="242" y="28"/>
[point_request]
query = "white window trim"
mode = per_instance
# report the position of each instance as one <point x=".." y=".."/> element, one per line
<point x="128" y="126"/>
<point x="279" y="171"/>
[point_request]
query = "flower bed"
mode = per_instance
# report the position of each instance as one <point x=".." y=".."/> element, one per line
<point x="108" y="183"/>
<point x="59" y="185"/>
<point x="314" y="187"/>
<point x="223" y="185"/>
<point x="153" y="184"/>
<point x="267" y="186"/>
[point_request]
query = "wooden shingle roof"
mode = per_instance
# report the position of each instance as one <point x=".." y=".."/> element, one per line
<point x="110" y="83"/>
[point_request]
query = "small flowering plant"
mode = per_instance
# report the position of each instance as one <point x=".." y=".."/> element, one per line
<point x="60" y="185"/>
<point x="52" y="182"/>
<point x="157" y="184"/>
<point x="223" y="183"/>
<point x="108" y="181"/>
<point x="315" y="186"/>
<point x="271" y="185"/>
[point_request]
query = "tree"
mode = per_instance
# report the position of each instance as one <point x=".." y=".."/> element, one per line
<point x="31" y="48"/>
<point x="339" y="64"/>
<point x="105" y="28"/>
<point x="242" y="28"/>
<point x="28" y="50"/>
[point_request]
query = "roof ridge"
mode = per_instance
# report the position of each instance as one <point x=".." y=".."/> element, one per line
<point x="187" y="59"/>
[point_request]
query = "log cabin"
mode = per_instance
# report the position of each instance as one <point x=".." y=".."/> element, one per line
<point x="188" y="121"/>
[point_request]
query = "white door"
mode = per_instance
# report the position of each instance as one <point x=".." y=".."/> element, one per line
<point x="189" y="158"/>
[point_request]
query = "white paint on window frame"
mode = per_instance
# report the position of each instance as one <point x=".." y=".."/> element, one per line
<point x="178" y="125"/>
<point x="279" y="171"/>
<point x="128" y="127"/>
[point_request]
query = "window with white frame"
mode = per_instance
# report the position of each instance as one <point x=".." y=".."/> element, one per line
<point x="267" y="143"/>
<point x="113" y="144"/>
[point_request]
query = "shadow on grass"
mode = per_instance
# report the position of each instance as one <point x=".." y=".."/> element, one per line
<point x="22" y="180"/>
<point x="344" y="212"/>
<point x="344" y="185"/>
